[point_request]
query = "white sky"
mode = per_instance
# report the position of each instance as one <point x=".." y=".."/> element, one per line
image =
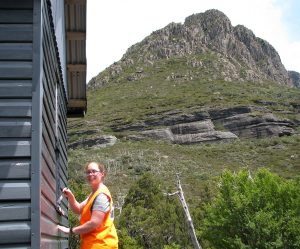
<point x="114" y="25"/>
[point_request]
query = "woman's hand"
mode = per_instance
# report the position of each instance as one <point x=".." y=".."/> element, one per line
<point x="75" y="205"/>
<point x="63" y="229"/>
<point x="68" y="193"/>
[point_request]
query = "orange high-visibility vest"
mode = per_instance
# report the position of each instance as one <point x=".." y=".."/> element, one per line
<point x="105" y="235"/>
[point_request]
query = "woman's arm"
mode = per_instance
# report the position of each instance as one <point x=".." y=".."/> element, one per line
<point x="93" y="223"/>
<point x="74" y="204"/>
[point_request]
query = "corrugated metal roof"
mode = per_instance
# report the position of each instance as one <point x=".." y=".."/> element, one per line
<point x="75" y="21"/>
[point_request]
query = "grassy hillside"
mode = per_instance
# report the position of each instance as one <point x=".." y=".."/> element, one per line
<point x="173" y="85"/>
<point x="168" y="86"/>
<point x="124" y="102"/>
<point x="198" y="164"/>
<point x="186" y="70"/>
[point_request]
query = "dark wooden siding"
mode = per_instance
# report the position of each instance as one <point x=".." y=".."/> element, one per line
<point x="54" y="140"/>
<point x="33" y="141"/>
<point x="16" y="36"/>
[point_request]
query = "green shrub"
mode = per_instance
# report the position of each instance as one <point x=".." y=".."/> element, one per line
<point x="260" y="212"/>
<point x="152" y="219"/>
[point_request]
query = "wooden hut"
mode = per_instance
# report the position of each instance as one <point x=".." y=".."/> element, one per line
<point x="42" y="81"/>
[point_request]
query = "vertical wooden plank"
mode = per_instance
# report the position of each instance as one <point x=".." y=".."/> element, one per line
<point x="36" y="148"/>
<point x="15" y="122"/>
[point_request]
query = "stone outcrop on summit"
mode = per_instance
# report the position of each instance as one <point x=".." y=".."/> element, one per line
<point x="240" y="55"/>
<point x="228" y="73"/>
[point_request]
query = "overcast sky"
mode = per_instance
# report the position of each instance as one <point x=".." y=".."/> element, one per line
<point x="114" y="25"/>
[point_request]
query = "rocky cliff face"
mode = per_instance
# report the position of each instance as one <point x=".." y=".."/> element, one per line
<point x="240" y="55"/>
<point x="295" y="78"/>
<point x="205" y="52"/>
<point x="211" y="126"/>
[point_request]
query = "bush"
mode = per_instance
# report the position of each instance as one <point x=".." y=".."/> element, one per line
<point x="151" y="220"/>
<point x="260" y="212"/>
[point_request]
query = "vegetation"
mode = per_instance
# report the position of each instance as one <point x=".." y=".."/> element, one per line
<point x="259" y="212"/>
<point x="139" y="172"/>
<point x="150" y="219"/>
<point x="189" y="90"/>
<point x="244" y="211"/>
<point x="197" y="163"/>
<point x="199" y="166"/>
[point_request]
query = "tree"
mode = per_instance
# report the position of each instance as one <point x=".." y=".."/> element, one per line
<point x="260" y="212"/>
<point x="126" y="241"/>
<point x="151" y="219"/>
<point x="188" y="217"/>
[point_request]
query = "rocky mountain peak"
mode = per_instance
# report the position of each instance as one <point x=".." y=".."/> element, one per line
<point x="295" y="78"/>
<point x="212" y="23"/>
<point x="241" y="55"/>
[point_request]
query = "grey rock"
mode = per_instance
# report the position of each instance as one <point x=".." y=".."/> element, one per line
<point x="129" y="127"/>
<point x="175" y="117"/>
<point x="163" y="119"/>
<point x="189" y="133"/>
<point x="266" y="125"/>
<point x="211" y="136"/>
<point x="136" y="137"/>
<point x="240" y="120"/>
<point x="161" y="134"/>
<point x="216" y="114"/>
<point x="97" y="142"/>
<point x="295" y="78"/>
<point x="193" y="127"/>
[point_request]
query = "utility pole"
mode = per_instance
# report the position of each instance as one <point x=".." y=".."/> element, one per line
<point x="180" y="194"/>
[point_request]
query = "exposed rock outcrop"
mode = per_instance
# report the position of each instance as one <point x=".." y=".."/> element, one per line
<point x="211" y="136"/>
<point x="193" y="128"/>
<point x="240" y="121"/>
<point x="161" y="134"/>
<point x="206" y="49"/>
<point x="295" y="78"/>
<point x="163" y="119"/>
<point x="176" y="117"/>
<point x="96" y="142"/>
<point x="239" y="54"/>
<point x="267" y="125"/>
<point x="188" y="133"/>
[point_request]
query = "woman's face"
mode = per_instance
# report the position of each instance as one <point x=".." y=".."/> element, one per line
<point x="93" y="175"/>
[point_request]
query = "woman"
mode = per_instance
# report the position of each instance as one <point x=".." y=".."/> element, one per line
<point x="96" y="223"/>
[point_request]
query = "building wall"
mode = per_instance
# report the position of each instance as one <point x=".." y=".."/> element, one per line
<point x="54" y="136"/>
<point x="16" y="36"/>
<point x="33" y="157"/>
